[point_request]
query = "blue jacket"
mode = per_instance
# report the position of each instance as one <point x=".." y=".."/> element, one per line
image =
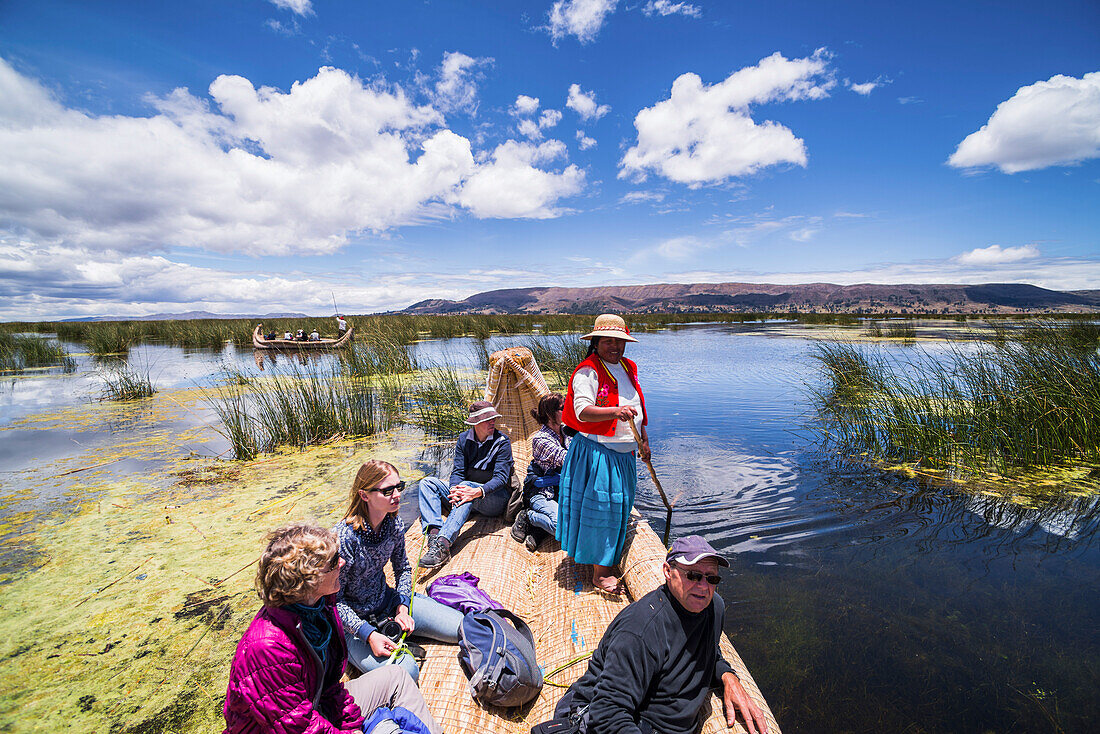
<point x="489" y="464"/>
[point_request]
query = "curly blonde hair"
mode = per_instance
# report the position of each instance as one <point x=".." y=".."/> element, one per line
<point x="369" y="476"/>
<point x="291" y="566"/>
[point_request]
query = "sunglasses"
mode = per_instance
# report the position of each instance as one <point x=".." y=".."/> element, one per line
<point x="334" y="563"/>
<point x="696" y="576"/>
<point x="387" y="491"/>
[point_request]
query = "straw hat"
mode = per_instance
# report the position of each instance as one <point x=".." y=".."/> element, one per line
<point x="608" y="324"/>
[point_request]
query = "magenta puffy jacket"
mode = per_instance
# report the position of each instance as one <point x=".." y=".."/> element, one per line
<point x="275" y="679"/>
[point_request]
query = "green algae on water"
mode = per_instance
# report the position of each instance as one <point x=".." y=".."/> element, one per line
<point x="130" y="622"/>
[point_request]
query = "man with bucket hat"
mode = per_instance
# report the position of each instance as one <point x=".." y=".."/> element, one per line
<point x="659" y="659"/>
<point x="479" y="483"/>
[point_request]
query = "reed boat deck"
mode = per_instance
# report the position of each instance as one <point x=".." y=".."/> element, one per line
<point x="567" y="616"/>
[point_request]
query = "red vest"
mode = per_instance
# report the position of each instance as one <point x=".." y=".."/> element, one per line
<point x="607" y="394"/>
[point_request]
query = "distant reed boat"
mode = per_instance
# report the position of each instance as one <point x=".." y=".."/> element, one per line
<point x="259" y="342"/>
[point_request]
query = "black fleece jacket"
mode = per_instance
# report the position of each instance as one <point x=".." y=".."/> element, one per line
<point x="654" y="668"/>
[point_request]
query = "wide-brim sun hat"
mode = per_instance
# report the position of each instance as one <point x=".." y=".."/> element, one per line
<point x="608" y="324"/>
<point x="480" y="412"/>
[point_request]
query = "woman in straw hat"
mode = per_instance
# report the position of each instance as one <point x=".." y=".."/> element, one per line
<point x="286" y="673"/>
<point x="599" y="477"/>
<point x="373" y="612"/>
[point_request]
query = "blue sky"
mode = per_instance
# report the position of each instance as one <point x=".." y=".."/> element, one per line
<point x="258" y="155"/>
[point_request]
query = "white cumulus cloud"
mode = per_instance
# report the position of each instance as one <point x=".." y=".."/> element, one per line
<point x="529" y="129"/>
<point x="1051" y="123"/>
<point x="525" y="105"/>
<point x="511" y="185"/>
<point x="256" y="171"/>
<point x="995" y="254"/>
<point x="549" y="118"/>
<point x="584" y="103"/>
<point x="667" y="7"/>
<point x="580" y="18"/>
<point x="704" y="134"/>
<point x="584" y="141"/>
<point x="457" y="85"/>
<point x="300" y="7"/>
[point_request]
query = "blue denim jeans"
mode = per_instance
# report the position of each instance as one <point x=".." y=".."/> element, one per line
<point x="542" y="512"/>
<point x="433" y="501"/>
<point x="433" y="620"/>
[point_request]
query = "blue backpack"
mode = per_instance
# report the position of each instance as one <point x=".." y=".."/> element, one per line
<point x="497" y="652"/>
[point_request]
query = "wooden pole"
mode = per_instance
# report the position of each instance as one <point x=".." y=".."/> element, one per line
<point x="653" y="474"/>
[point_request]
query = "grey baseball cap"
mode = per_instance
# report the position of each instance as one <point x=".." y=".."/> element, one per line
<point x="691" y="549"/>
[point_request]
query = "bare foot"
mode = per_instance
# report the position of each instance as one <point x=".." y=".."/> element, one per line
<point x="604" y="580"/>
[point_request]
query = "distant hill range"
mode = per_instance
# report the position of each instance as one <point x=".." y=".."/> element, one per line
<point x="189" y="315"/>
<point x="762" y="297"/>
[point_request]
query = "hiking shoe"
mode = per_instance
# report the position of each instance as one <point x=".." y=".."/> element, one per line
<point x="534" y="538"/>
<point x="437" y="553"/>
<point x="520" y="527"/>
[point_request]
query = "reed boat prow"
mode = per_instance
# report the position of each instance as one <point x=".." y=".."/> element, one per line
<point x="551" y="593"/>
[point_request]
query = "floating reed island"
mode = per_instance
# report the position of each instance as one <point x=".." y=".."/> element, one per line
<point x="1027" y="398"/>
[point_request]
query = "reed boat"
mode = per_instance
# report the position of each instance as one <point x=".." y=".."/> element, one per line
<point x="259" y="342"/>
<point x="551" y="593"/>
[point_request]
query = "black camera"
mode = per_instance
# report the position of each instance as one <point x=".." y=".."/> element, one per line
<point x="389" y="628"/>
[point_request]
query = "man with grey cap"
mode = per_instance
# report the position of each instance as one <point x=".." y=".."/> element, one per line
<point x="479" y="483"/>
<point x="659" y="659"/>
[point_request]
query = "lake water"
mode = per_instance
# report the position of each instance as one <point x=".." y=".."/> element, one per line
<point x="861" y="601"/>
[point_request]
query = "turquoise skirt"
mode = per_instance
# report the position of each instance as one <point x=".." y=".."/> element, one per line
<point x="595" y="497"/>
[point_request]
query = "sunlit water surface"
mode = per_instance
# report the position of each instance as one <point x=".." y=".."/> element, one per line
<point x="861" y="601"/>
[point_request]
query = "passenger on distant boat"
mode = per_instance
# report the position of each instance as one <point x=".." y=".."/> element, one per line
<point x="539" y="518"/>
<point x="287" y="335"/>
<point x="659" y="658"/>
<point x="370" y="535"/>
<point x="301" y="335"/>
<point x="598" y="478"/>
<point x="314" y="336"/>
<point x="479" y="483"/>
<point x="285" y="675"/>
<point x="272" y="335"/>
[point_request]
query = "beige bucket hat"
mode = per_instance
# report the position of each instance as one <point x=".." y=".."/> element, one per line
<point x="608" y="324"/>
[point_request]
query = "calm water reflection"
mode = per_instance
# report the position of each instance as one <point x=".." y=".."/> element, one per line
<point x="861" y="602"/>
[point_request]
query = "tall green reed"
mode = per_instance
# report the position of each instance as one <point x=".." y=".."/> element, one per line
<point x="441" y="396"/>
<point x="1009" y="404"/>
<point x="18" y="353"/>
<point x="297" y="408"/>
<point x="127" y="383"/>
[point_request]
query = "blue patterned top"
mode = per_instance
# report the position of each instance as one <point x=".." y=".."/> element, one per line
<point x="363" y="587"/>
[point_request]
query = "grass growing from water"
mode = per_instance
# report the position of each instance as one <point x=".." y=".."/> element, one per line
<point x="297" y="409"/>
<point x="126" y="383"/>
<point x="440" y="400"/>
<point x="18" y="353"/>
<point x="1026" y="400"/>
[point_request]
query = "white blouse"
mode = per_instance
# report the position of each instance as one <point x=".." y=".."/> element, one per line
<point x="585" y="385"/>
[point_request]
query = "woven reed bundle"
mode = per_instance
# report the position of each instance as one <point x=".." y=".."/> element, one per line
<point x="514" y="386"/>
<point x="567" y="616"/>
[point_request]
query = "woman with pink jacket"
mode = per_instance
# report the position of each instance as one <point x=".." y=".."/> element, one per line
<point x="285" y="675"/>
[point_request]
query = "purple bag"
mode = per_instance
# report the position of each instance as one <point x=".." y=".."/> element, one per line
<point x="459" y="590"/>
